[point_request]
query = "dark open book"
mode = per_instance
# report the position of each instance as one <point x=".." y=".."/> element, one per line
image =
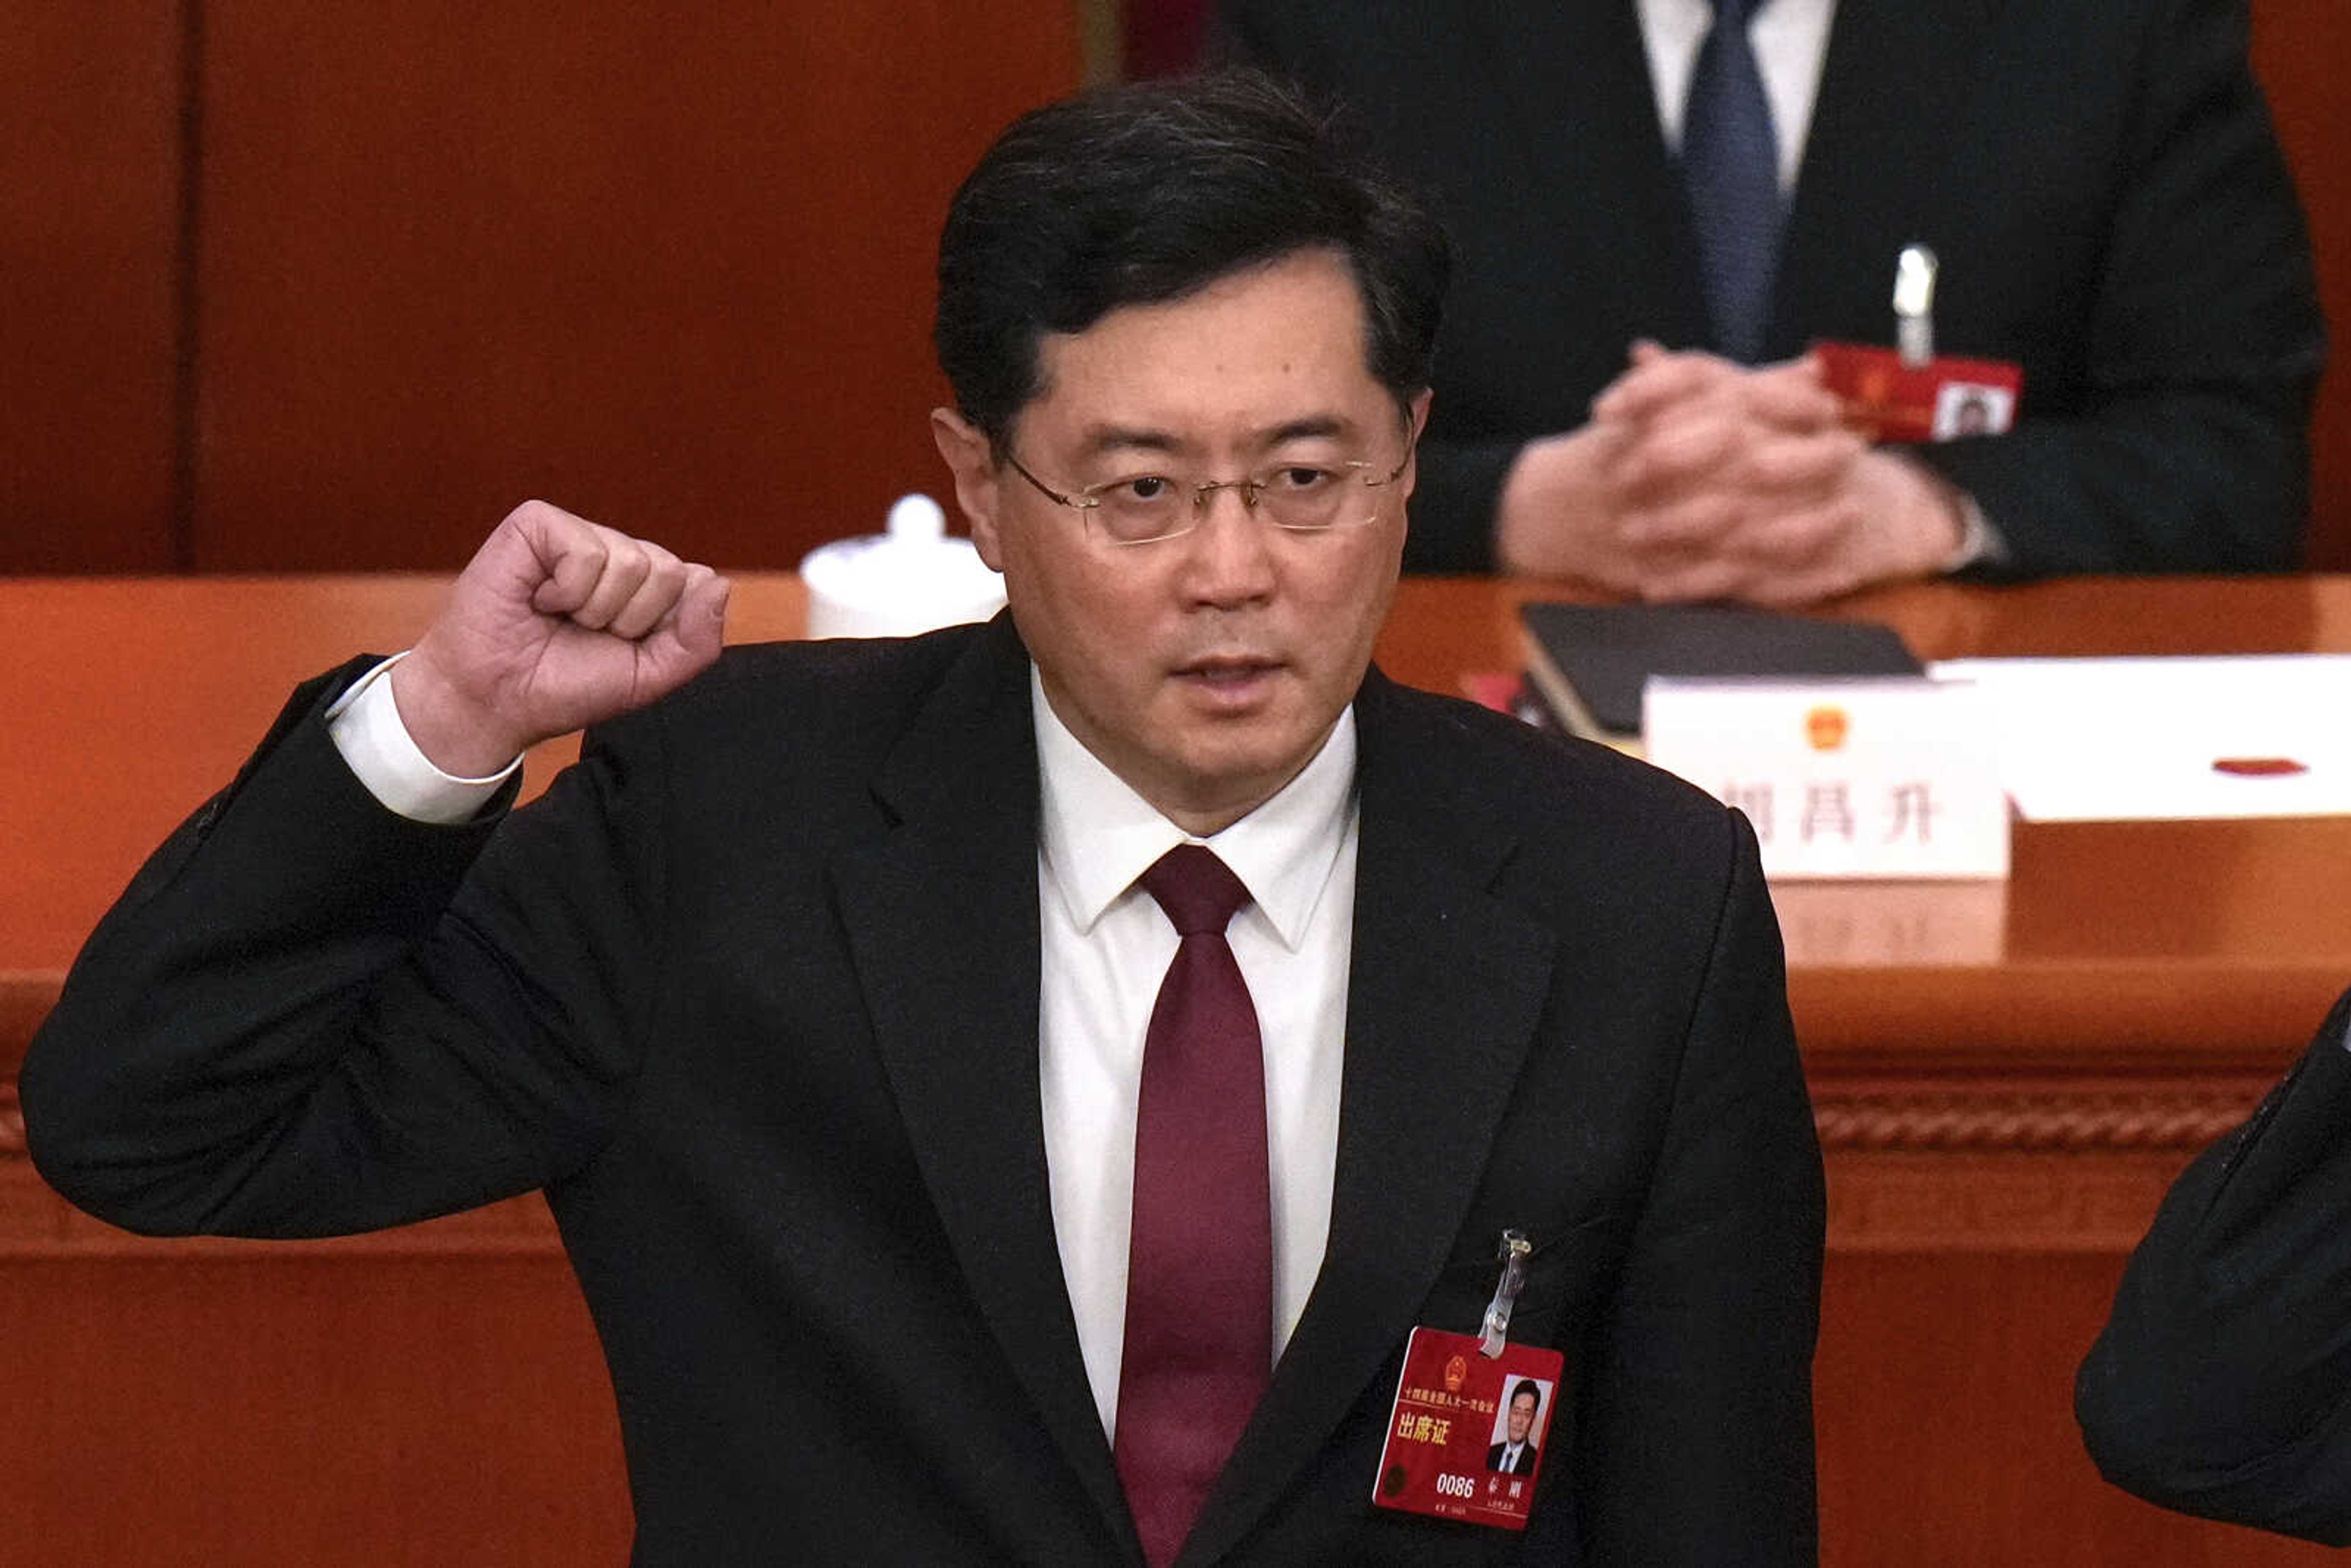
<point x="1588" y="662"/>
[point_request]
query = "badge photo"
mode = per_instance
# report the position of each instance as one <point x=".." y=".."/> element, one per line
<point x="1972" y="408"/>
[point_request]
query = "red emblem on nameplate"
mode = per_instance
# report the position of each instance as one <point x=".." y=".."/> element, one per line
<point x="1469" y="1434"/>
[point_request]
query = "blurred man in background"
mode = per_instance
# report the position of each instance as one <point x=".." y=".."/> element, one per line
<point x="1662" y="204"/>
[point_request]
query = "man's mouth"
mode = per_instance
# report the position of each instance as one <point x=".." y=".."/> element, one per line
<point x="1233" y="678"/>
<point x="1227" y="666"/>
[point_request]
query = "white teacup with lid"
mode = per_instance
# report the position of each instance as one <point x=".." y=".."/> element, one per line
<point x="912" y="579"/>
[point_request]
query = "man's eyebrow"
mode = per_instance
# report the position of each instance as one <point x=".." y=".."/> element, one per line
<point x="1310" y="428"/>
<point x="1099" y="440"/>
<point x="1103" y="439"/>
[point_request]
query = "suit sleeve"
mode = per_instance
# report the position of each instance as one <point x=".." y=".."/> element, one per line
<point x="2221" y="1382"/>
<point x="2187" y="446"/>
<point x="1698" y="1444"/>
<point x="308" y="1015"/>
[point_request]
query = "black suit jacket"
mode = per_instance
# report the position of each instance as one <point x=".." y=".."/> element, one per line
<point x="753" y="993"/>
<point x="2099" y="178"/>
<point x="2221" y="1384"/>
<point x="1526" y="1465"/>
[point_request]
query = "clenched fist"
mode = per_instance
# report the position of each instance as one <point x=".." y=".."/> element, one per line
<point x="556" y="624"/>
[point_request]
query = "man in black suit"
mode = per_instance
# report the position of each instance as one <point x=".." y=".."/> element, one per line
<point x="819" y="997"/>
<point x="2099" y="178"/>
<point x="2221" y="1382"/>
<point x="1515" y="1455"/>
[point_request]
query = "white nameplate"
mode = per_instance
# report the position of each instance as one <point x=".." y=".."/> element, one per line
<point x="1874" y="776"/>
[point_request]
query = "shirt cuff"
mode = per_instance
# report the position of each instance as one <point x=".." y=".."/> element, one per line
<point x="364" y="723"/>
<point x="1980" y="543"/>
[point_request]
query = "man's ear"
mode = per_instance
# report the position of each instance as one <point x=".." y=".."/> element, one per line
<point x="1418" y="410"/>
<point x="972" y="461"/>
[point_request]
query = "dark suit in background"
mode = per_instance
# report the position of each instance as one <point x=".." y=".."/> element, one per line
<point x="2099" y="178"/>
<point x="2221" y="1384"/>
<point x="753" y="994"/>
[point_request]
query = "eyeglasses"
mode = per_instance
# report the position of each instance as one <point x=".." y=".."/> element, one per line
<point x="1302" y="498"/>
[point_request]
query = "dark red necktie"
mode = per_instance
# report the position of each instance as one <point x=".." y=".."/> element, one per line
<point x="1199" y="1271"/>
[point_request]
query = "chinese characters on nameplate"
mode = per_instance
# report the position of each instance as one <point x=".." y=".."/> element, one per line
<point x="1891" y="777"/>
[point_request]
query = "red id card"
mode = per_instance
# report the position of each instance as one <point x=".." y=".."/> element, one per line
<point x="1470" y="1434"/>
<point x="1942" y="400"/>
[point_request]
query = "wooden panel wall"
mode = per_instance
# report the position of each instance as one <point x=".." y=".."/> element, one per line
<point x="399" y="1407"/>
<point x="90" y="95"/>
<point x="2302" y="50"/>
<point x="668" y="265"/>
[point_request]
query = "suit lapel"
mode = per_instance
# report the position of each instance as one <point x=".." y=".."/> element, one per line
<point x="943" y="924"/>
<point x="1896" y="91"/>
<point x="1445" y="989"/>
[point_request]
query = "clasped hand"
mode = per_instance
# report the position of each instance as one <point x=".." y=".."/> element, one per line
<point x="555" y="624"/>
<point x="1701" y="479"/>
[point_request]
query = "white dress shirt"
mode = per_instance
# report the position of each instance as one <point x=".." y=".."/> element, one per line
<point x="1791" y="39"/>
<point x="1106" y="946"/>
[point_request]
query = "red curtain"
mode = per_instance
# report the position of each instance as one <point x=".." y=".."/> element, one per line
<point x="1163" y="36"/>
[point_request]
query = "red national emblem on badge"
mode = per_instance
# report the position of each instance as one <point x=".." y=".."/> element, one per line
<point x="1456" y="1371"/>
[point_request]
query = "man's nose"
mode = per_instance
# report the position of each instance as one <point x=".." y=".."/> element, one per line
<point x="1232" y="547"/>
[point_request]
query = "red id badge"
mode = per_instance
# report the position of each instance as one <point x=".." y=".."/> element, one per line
<point x="1942" y="400"/>
<point x="1470" y="1433"/>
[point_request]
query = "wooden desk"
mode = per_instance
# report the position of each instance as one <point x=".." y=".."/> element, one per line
<point x="2002" y="1104"/>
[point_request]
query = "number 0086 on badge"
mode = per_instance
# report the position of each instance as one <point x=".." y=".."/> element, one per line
<point x="1470" y="1434"/>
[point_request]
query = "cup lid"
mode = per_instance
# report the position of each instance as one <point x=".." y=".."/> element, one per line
<point x="914" y="574"/>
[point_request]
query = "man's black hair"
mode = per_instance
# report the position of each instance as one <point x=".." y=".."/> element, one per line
<point x="1529" y="1386"/>
<point x="1144" y="193"/>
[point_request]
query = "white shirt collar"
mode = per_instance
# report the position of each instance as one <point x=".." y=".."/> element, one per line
<point x="1098" y="835"/>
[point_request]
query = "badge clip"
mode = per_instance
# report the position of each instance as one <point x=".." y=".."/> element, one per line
<point x="1913" y="305"/>
<point x="1512" y="1254"/>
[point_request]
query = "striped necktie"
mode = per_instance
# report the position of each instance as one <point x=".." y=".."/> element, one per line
<point x="1730" y="165"/>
